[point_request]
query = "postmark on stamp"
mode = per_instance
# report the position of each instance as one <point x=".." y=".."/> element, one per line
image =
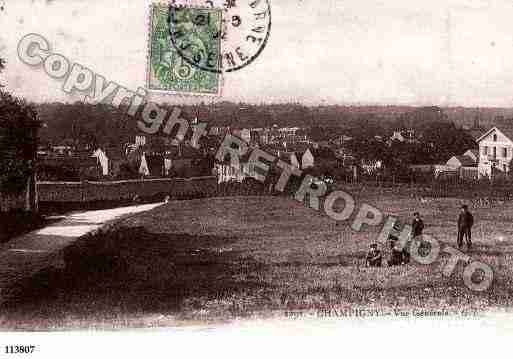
<point x="245" y="30"/>
<point x="168" y="69"/>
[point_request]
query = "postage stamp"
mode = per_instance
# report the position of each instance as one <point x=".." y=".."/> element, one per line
<point x="171" y="71"/>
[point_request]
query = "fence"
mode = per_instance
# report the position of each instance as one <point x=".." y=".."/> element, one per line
<point x="86" y="191"/>
<point x="473" y="190"/>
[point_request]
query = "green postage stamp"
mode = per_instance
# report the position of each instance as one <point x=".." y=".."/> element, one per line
<point x="182" y="42"/>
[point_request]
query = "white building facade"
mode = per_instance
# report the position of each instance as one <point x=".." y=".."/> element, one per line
<point x="495" y="152"/>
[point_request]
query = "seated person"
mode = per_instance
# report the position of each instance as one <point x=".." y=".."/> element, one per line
<point x="374" y="256"/>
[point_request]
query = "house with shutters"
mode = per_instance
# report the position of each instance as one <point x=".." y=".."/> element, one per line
<point x="495" y="151"/>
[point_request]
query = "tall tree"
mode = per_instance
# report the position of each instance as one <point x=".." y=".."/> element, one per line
<point x="18" y="145"/>
<point x="18" y="142"/>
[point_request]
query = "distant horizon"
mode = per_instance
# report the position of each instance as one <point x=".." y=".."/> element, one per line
<point x="223" y="101"/>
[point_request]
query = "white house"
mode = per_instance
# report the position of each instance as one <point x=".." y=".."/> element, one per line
<point x="307" y="160"/>
<point x="407" y="135"/>
<point x="143" y="168"/>
<point x="474" y="154"/>
<point x="461" y="161"/>
<point x="495" y="151"/>
<point x="168" y="164"/>
<point x="103" y="160"/>
<point x="140" y="140"/>
<point x="246" y="169"/>
<point x="294" y="161"/>
<point x="397" y="136"/>
<point x="466" y="164"/>
<point x="226" y="172"/>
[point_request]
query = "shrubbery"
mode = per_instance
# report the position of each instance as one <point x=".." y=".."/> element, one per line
<point x="18" y="142"/>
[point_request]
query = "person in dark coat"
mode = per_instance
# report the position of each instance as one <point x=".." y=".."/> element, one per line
<point x="374" y="256"/>
<point x="417" y="226"/>
<point x="465" y="223"/>
<point x="397" y="256"/>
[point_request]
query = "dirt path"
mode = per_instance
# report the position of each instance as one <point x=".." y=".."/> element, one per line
<point x="26" y="255"/>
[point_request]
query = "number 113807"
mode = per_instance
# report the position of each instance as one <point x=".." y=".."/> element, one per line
<point x="19" y="349"/>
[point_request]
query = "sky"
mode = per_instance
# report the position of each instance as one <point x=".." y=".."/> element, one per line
<point x="347" y="52"/>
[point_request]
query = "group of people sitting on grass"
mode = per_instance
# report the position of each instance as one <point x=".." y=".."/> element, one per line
<point x="399" y="251"/>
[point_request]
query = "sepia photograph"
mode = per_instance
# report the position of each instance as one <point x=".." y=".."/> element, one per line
<point x="285" y="176"/>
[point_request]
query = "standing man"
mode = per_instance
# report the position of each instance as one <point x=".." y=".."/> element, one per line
<point x="465" y="222"/>
<point x="417" y="226"/>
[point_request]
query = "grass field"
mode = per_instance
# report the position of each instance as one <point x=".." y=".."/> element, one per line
<point x="216" y="259"/>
